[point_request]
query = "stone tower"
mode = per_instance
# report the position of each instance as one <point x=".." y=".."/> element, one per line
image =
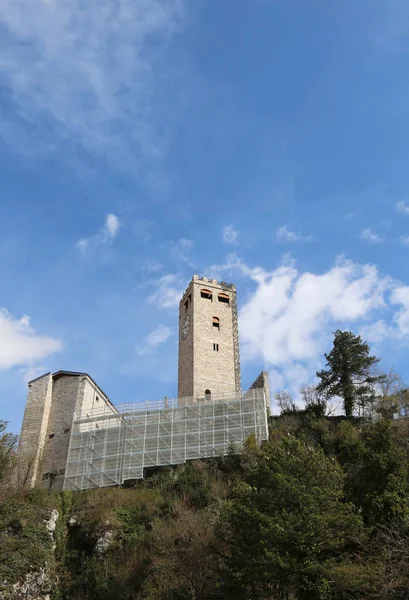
<point x="209" y="360"/>
<point x="52" y="402"/>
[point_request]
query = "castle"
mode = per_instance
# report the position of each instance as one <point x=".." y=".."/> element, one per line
<point x="73" y="437"/>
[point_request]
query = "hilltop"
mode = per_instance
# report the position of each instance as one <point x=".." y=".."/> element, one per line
<point x="319" y="511"/>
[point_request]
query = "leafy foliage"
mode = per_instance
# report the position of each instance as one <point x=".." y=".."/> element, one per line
<point x="287" y="517"/>
<point x="350" y="372"/>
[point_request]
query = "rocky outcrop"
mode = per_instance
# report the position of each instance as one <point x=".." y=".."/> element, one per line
<point x="51" y="524"/>
<point x="103" y="543"/>
<point x="36" y="585"/>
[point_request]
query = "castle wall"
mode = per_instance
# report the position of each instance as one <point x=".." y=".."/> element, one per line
<point x="186" y="346"/>
<point x="66" y="396"/>
<point x="34" y="429"/>
<point x="53" y="402"/>
<point x="74" y="396"/>
<point x="263" y="382"/>
<point x="94" y="404"/>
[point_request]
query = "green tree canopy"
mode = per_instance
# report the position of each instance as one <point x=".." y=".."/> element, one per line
<point x="286" y="519"/>
<point x="350" y="372"/>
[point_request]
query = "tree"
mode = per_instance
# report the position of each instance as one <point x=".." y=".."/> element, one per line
<point x="392" y="396"/>
<point x="395" y="544"/>
<point x="8" y="443"/>
<point x="314" y="400"/>
<point x="285" y="523"/>
<point x="184" y="563"/>
<point x="381" y="478"/>
<point x="285" y="402"/>
<point x="404" y="402"/>
<point x="350" y="373"/>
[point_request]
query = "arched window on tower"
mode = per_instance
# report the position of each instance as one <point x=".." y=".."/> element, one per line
<point x="216" y="322"/>
<point x="207" y="294"/>
<point x="208" y="395"/>
<point x="225" y="298"/>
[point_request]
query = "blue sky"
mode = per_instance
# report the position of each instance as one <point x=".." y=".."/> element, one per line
<point x="263" y="142"/>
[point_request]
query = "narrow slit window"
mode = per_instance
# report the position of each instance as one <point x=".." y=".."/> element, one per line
<point x="216" y="347"/>
<point x="67" y="430"/>
<point x="208" y="395"/>
<point x="216" y="322"/>
<point x="97" y="399"/>
<point x="186" y="304"/>
<point x="224" y="298"/>
<point x="50" y="437"/>
<point x="206" y="294"/>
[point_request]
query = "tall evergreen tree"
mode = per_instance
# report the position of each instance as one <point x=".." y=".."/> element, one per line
<point x="285" y="522"/>
<point x="349" y="375"/>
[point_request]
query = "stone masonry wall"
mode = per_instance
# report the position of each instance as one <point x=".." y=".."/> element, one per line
<point x="262" y="381"/>
<point x="200" y="366"/>
<point x="186" y="347"/>
<point x="66" y="396"/>
<point x="45" y="435"/>
<point x="34" y="429"/>
<point x="93" y="403"/>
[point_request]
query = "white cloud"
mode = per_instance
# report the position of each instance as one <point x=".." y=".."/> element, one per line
<point x="398" y="327"/>
<point x="180" y="250"/>
<point x="169" y="290"/>
<point x="291" y="315"/>
<point x="152" y="266"/>
<point x="229" y="235"/>
<point x="232" y="263"/>
<point x="400" y="296"/>
<point x="111" y="227"/>
<point x="157" y="337"/>
<point x="29" y="373"/>
<point x="287" y="321"/>
<point x="403" y="207"/>
<point x="20" y="345"/>
<point x="404" y="240"/>
<point x="283" y="234"/>
<point x="369" y="236"/>
<point x="106" y="234"/>
<point x="89" y="73"/>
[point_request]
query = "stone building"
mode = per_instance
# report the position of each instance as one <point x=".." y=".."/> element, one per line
<point x="52" y="402"/>
<point x="73" y="437"/>
<point x="209" y="359"/>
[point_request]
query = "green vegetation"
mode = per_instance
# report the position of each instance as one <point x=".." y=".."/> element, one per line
<point x="350" y="372"/>
<point x="8" y="443"/>
<point x="319" y="512"/>
<point x="25" y="544"/>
